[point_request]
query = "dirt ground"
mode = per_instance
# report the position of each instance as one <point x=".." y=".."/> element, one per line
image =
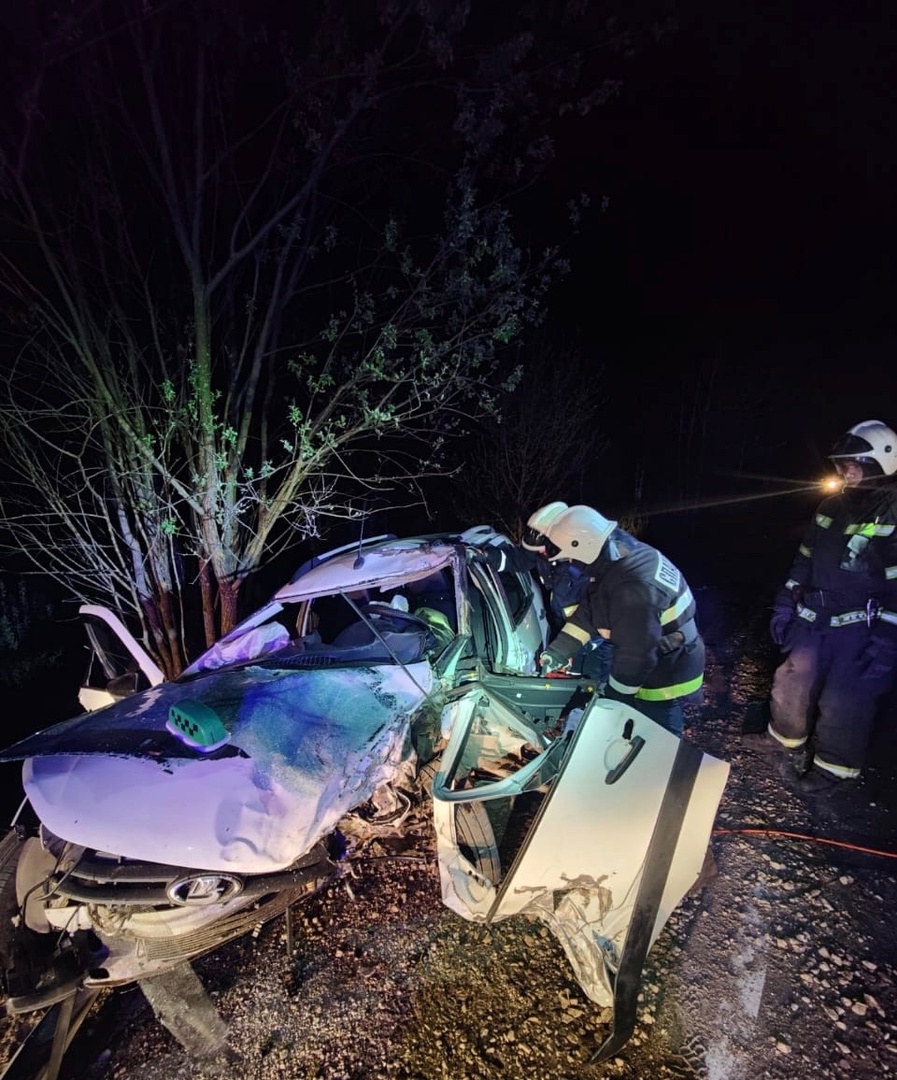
<point x="783" y="967"/>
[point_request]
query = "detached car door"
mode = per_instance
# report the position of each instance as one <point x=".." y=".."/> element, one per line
<point x="119" y="665"/>
<point x="599" y="833"/>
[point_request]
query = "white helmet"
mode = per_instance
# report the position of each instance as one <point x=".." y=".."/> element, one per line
<point x="578" y="533"/>
<point x="534" y="533"/>
<point x="872" y="443"/>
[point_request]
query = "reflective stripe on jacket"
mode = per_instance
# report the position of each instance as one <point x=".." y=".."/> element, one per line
<point x="847" y="558"/>
<point x="643" y="604"/>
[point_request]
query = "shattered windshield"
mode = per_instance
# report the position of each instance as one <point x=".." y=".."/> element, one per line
<point x="414" y="620"/>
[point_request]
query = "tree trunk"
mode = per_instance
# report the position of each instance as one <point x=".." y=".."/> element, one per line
<point x="208" y="603"/>
<point x="176" y="648"/>
<point x="228" y="596"/>
<point x="154" y="625"/>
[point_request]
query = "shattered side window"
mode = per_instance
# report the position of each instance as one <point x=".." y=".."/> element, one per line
<point x="111" y="667"/>
<point x="516" y="594"/>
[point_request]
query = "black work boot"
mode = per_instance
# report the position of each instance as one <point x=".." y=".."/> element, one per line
<point x="821" y="784"/>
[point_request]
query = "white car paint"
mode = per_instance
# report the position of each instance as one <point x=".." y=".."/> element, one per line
<point x="579" y="868"/>
<point x="95" y="698"/>
<point x="302" y="766"/>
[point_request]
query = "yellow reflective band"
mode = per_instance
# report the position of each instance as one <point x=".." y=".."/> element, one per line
<point x="806" y="613"/>
<point x="791" y="744"/>
<point x="869" y="528"/>
<point x="620" y="687"/>
<point x="667" y="693"/>
<point x="676" y="610"/>
<point x="568" y="611"/>
<point x="804" y="550"/>
<point x="576" y="632"/>
<point x="888" y="617"/>
<point x="843" y="772"/>
<point x="890" y="572"/>
<point x="791" y="583"/>
<point x="848" y="618"/>
<point x="823" y="521"/>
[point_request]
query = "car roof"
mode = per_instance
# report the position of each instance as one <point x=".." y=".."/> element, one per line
<point x="386" y="564"/>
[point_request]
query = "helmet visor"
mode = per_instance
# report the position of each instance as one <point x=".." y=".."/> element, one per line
<point x="851" y="446"/>
<point x="533" y="539"/>
<point x="551" y="550"/>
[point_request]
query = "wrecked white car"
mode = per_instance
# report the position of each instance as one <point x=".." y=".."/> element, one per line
<point x="178" y="815"/>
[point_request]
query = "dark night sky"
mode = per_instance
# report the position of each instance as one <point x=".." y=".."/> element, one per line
<point x="750" y="162"/>
<point x="737" y="292"/>
<point x="739" y="288"/>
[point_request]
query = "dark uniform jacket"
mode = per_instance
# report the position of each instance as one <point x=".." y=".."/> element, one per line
<point x="845" y="570"/>
<point x="642" y="604"/>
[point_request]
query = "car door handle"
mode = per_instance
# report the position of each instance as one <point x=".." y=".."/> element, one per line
<point x="632" y="753"/>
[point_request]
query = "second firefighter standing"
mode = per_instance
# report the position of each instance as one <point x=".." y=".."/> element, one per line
<point x="836" y="620"/>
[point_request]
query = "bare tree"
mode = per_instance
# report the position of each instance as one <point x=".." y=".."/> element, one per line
<point x="260" y="267"/>
<point x="543" y="443"/>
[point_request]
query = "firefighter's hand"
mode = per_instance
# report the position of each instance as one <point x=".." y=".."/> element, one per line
<point x="490" y="556"/>
<point x="553" y="664"/>
<point x="781" y="625"/>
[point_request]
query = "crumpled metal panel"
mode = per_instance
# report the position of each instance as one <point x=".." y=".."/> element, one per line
<point x="400" y="562"/>
<point x="579" y="867"/>
<point x="305" y="748"/>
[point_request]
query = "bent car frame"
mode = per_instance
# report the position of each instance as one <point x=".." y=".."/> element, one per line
<point x="172" y="817"/>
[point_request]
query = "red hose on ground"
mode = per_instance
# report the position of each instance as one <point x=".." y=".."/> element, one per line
<point x="804" y="836"/>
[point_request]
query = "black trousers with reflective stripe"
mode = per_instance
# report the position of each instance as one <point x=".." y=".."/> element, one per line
<point x="829" y="687"/>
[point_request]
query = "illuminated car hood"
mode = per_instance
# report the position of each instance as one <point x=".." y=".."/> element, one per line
<point x="303" y="749"/>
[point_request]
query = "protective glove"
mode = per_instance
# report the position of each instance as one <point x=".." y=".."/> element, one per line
<point x="781" y="626"/>
<point x="552" y="663"/>
<point x="784" y="612"/>
<point x="491" y="556"/>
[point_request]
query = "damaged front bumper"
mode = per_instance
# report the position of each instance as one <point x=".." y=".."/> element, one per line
<point x="82" y="918"/>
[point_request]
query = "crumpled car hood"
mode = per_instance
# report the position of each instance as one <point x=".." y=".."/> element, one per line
<point x="304" y="748"/>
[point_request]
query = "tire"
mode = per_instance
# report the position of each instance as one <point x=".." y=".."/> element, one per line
<point x="476" y="837"/>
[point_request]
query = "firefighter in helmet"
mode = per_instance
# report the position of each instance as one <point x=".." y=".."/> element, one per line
<point x="638" y="601"/>
<point x="565" y="589"/>
<point x="836" y="620"/>
<point x="564" y="584"/>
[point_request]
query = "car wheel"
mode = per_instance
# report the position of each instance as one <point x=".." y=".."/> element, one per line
<point x="476" y="837"/>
